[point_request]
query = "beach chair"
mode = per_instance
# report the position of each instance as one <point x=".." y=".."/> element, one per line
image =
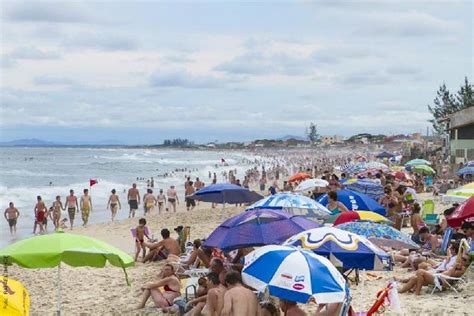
<point x="441" y="279"/>
<point x="184" y="238"/>
<point x="448" y="234"/>
<point x="428" y="207"/>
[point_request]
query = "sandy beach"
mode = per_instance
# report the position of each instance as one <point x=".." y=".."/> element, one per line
<point x="89" y="291"/>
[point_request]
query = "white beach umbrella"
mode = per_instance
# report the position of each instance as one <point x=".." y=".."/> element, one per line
<point x="310" y="184"/>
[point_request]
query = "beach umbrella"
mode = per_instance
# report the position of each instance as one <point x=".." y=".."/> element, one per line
<point x="380" y="234"/>
<point x="424" y="169"/>
<point x="385" y="154"/>
<point x="460" y="194"/>
<point x="294" y="274"/>
<point x="376" y="165"/>
<point x="257" y="227"/>
<point x="463" y="213"/>
<point x="299" y="176"/>
<point x="355" y="201"/>
<point x="223" y="193"/>
<point x="48" y="251"/>
<point x="400" y="175"/>
<point x="294" y="204"/>
<point x="14" y="297"/>
<point x="346" y="217"/>
<point x="367" y="186"/>
<point x="415" y="162"/>
<point x="311" y="184"/>
<point x="342" y="248"/>
<point x="465" y="171"/>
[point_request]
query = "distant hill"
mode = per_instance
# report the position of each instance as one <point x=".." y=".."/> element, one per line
<point x="30" y="142"/>
<point x="287" y="137"/>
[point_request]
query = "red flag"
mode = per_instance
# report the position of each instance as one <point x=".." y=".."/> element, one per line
<point x="92" y="182"/>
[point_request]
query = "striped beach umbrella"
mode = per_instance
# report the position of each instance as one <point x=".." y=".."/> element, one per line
<point x="460" y="194"/>
<point x="294" y="274"/>
<point x="415" y="162"/>
<point x="294" y="204"/>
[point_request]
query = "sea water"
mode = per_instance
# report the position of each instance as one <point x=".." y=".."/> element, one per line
<point x="28" y="172"/>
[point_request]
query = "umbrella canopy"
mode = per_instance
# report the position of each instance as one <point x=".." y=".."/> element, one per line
<point x="14" y="297"/>
<point x="385" y="154"/>
<point x="380" y="234"/>
<point x="294" y="204"/>
<point x="460" y="194"/>
<point x="226" y="193"/>
<point x="464" y="212"/>
<point x="48" y="251"/>
<point x="415" y="162"/>
<point x="342" y="248"/>
<point x="311" y="184"/>
<point x="376" y="165"/>
<point x="465" y="171"/>
<point x="424" y="169"/>
<point x="366" y="186"/>
<point x="400" y="175"/>
<point x="355" y="201"/>
<point x="257" y="227"/>
<point x="298" y="177"/>
<point x="294" y="274"/>
<point x="359" y="216"/>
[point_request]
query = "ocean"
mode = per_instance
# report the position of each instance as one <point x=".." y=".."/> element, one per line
<point x="28" y="172"/>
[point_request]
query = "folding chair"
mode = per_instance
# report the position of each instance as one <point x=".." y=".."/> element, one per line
<point x="441" y="279"/>
<point x="428" y="207"/>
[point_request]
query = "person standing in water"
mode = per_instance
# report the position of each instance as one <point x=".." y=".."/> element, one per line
<point x="56" y="214"/>
<point x="114" y="201"/>
<point x="86" y="207"/>
<point x="133" y="198"/>
<point x="11" y="215"/>
<point x="72" y="206"/>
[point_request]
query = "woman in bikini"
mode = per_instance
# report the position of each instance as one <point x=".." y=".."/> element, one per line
<point x="171" y="289"/>
<point x="114" y="201"/>
<point x="334" y="205"/>
<point x="57" y="207"/>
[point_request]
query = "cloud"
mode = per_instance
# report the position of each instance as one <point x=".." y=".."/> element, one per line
<point x="51" y="80"/>
<point x="184" y="79"/>
<point x="33" y="53"/>
<point x="103" y="41"/>
<point x="53" y="12"/>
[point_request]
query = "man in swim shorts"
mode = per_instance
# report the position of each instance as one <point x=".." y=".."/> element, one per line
<point x="133" y="198"/>
<point x="172" y="197"/>
<point x="86" y="207"/>
<point x="72" y="206"/>
<point x="11" y="215"/>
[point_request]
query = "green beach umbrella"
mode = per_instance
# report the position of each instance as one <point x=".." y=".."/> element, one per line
<point x="424" y="169"/>
<point x="48" y="251"/>
<point x="416" y="162"/>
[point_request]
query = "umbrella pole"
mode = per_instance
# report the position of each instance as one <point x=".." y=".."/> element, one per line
<point x="223" y="211"/>
<point x="58" y="312"/>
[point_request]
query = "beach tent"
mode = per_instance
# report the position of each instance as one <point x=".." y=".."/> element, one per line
<point x="48" y="251"/>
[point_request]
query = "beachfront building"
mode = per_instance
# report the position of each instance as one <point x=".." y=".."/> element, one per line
<point x="461" y="135"/>
<point x="330" y="140"/>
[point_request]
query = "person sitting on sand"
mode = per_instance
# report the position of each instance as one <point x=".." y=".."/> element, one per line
<point x="200" y="301"/>
<point x="197" y="254"/>
<point x="171" y="289"/>
<point x="161" y="250"/>
<point x="215" y="296"/>
<point x="423" y="278"/>
<point x="238" y="300"/>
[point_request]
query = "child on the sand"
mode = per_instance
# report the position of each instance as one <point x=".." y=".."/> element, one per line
<point x="140" y="235"/>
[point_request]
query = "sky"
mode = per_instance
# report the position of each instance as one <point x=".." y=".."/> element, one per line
<point x="140" y="72"/>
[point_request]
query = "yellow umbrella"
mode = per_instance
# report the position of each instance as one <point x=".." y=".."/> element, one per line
<point x="15" y="301"/>
<point x="372" y="216"/>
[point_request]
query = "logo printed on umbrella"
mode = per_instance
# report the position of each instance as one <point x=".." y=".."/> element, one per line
<point x="298" y="286"/>
<point x="299" y="278"/>
<point x="286" y="276"/>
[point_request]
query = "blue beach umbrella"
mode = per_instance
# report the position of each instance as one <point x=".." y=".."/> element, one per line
<point x="368" y="187"/>
<point x="380" y="234"/>
<point x="226" y="193"/>
<point x="294" y="274"/>
<point x="355" y="201"/>
<point x="342" y="248"/>
<point x="385" y="154"/>
<point x="465" y="170"/>
<point x="294" y="204"/>
<point x="257" y="227"/>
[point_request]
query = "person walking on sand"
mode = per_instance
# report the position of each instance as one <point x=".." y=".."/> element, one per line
<point x="172" y="197"/>
<point x="238" y="300"/>
<point x="86" y="207"/>
<point x="161" y="201"/>
<point x="56" y="214"/>
<point x="114" y="201"/>
<point x="190" y="203"/>
<point x="72" y="206"/>
<point x="133" y="198"/>
<point x="40" y="213"/>
<point x="149" y="201"/>
<point x="11" y="215"/>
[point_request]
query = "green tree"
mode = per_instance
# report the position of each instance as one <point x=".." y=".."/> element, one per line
<point x="465" y="96"/>
<point x="312" y="132"/>
<point x="444" y="104"/>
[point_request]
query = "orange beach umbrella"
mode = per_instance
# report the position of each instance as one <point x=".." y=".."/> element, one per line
<point x="298" y="177"/>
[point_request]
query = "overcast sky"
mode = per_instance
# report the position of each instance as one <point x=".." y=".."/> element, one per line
<point x="140" y="72"/>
